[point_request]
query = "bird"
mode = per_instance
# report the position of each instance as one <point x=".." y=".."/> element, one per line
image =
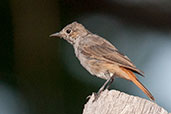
<point x="99" y="57"/>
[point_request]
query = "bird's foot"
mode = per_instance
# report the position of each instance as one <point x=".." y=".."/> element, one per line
<point x="97" y="95"/>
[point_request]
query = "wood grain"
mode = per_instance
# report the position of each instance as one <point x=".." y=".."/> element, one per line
<point x="116" y="102"/>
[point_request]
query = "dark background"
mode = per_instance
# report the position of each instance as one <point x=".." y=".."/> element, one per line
<point x="40" y="75"/>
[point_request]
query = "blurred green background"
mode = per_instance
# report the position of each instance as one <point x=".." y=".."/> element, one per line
<point x="41" y="75"/>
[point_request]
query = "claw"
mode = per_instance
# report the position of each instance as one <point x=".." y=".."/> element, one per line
<point x="96" y="96"/>
<point x="88" y="97"/>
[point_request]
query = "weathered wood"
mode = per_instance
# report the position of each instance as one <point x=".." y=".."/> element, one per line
<point x="116" y="102"/>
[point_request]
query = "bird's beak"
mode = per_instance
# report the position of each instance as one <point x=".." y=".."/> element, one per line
<point x="56" y="35"/>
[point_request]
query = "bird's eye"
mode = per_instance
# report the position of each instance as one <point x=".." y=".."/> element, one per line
<point x="68" y="31"/>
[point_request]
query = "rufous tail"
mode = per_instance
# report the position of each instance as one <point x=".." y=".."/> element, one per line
<point x="137" y="82"/>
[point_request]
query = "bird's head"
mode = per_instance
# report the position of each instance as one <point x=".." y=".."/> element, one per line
<point x="71" y="32"/>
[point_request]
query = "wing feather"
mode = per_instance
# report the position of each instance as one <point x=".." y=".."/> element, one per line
<point x="103" y="50"/>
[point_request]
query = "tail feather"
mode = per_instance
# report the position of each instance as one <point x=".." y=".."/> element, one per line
<point x="137" y="82"/>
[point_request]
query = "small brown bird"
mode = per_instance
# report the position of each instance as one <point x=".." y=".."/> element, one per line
<point x="100" y="57"/>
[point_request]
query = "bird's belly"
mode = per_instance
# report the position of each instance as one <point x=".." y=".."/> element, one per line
<point x="95" y="67"/>
<point x="101" y="68"/>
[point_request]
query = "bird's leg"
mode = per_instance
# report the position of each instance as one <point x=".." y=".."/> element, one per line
<point x="111" y="80"/>
<point x="103" y="87"/>
<point x="96" y="95"/>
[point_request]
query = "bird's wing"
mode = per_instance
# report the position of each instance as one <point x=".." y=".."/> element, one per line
<point x="103" y="50"/>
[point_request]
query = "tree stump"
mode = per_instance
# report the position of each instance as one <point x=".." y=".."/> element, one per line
<point x="116" y="102"/>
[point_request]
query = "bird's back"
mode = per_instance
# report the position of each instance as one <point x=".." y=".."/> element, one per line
<point x="95" y="47"/>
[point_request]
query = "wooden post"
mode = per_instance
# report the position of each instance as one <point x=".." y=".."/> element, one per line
<point x="116" y="102"/>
